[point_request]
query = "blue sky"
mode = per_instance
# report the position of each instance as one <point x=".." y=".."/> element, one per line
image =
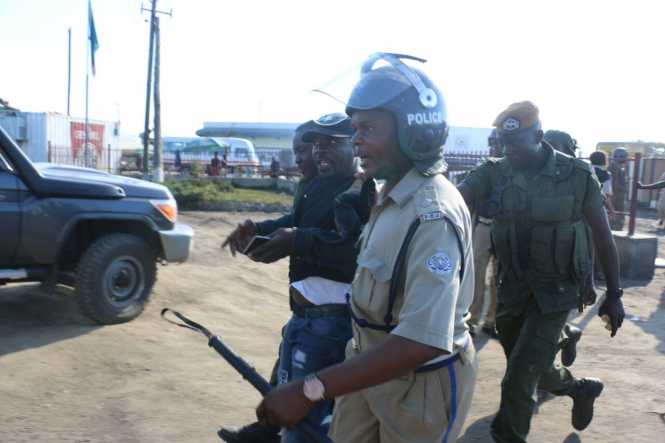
<point x="594" y="68"/>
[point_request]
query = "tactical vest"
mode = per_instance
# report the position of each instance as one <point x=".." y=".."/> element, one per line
<point x="550" y="208"/>
<point x="619" y="182"/>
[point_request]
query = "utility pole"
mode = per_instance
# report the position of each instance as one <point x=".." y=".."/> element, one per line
<point x="146" y="126"/>
<point x="152" y="57"/>
<point x="158" y="165"/>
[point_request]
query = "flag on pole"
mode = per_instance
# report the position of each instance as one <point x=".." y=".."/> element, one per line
<point x="92" y="35"/>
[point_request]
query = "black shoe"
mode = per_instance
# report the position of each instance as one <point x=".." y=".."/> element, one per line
<point x="584" y="394"/>
<point x="491" y="331"/>
<point x="253" y="433"/>
<point x="569" y="348"/>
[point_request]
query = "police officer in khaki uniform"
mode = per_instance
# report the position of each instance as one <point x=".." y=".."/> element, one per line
<point x="540" y="238"/>
<point x="411" y="367"/>
<point x="484" y="259"/>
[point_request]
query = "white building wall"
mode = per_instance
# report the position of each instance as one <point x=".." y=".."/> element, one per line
<point x="465" y="140"/>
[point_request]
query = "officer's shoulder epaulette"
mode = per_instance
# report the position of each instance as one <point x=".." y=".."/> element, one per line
<point x="429" y="206"/>
<point x="491" y="164"/>
<point x="496" y="164"/>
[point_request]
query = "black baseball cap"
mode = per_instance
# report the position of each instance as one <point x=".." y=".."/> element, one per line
<point x="336" y="125"/>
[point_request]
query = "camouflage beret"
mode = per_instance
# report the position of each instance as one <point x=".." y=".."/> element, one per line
<point x="520" y="115"/>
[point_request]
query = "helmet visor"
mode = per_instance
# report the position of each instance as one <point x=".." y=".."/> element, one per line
<point x="376" y="82"/>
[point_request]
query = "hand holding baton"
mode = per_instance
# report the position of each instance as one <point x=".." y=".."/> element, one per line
<point x="240" y="365"/>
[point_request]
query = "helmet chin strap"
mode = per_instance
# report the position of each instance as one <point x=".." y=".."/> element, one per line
<point x="426" y="95"/>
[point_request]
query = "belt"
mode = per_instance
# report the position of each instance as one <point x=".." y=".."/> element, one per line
<point x="445" y="362"/>
<point x="438" y="365"/>
<point x="318" y="311"/>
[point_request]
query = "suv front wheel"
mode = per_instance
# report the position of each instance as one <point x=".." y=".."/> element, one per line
<point x="115" y="278"/>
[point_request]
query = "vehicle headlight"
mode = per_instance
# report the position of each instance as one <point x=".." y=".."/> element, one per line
<point x="168" y="208"/>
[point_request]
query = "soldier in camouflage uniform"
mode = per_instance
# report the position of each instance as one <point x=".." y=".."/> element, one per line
<point x="540" y="239"/>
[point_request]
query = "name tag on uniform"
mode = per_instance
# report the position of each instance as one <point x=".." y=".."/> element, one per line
<point x="430" y="216"/>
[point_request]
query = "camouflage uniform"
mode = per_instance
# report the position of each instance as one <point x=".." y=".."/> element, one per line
<point x="542" y="246"/>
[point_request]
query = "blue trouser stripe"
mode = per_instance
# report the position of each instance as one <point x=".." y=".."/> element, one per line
<point x="453" y="400"/>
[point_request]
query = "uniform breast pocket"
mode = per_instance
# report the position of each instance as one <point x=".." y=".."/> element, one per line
<point x="552" y="209"/>
<point x="370" y="289"/>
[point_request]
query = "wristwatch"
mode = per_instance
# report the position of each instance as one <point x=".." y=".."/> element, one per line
<point x="313" y="388"/>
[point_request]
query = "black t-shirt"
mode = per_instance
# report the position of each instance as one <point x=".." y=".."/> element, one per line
<point x="602" y="174"/>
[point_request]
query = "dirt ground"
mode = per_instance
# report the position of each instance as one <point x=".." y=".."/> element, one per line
<point x="64" y="379"/>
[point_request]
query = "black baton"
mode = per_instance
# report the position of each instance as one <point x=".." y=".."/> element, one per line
<point x="240" y="365"/>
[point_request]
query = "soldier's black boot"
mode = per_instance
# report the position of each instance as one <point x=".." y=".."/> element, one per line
<point x="569" y="348"/>
<point x="584" y="394"/>
<point x="252" y="433"/>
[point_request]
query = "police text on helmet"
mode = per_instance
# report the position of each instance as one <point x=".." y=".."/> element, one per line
<point x="425" y="118"/>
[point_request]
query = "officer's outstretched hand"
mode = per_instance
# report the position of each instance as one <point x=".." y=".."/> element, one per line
<point x="285" y="405"/>
<point x="612" y="311"/>
<point x="240" y="237"/>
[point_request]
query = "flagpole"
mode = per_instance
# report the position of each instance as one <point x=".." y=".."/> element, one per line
<point x="87" y="74"/>
<point x="69" y="68"/>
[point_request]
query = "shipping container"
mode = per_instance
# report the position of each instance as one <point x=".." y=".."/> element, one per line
<point x="58" y="138"/>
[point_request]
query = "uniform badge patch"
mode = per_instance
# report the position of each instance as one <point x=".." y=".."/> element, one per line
<point x="439" y="263"/>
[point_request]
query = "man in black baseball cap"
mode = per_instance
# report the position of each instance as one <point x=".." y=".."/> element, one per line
<point x="322" y="264"/>
<point x="331" y="137"/>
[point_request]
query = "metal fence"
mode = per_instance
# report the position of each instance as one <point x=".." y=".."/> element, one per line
<point x="460" y="163"/>
<point x="108" y="160"/>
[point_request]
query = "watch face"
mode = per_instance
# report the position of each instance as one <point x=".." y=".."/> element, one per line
<point x="313" y="388"/>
